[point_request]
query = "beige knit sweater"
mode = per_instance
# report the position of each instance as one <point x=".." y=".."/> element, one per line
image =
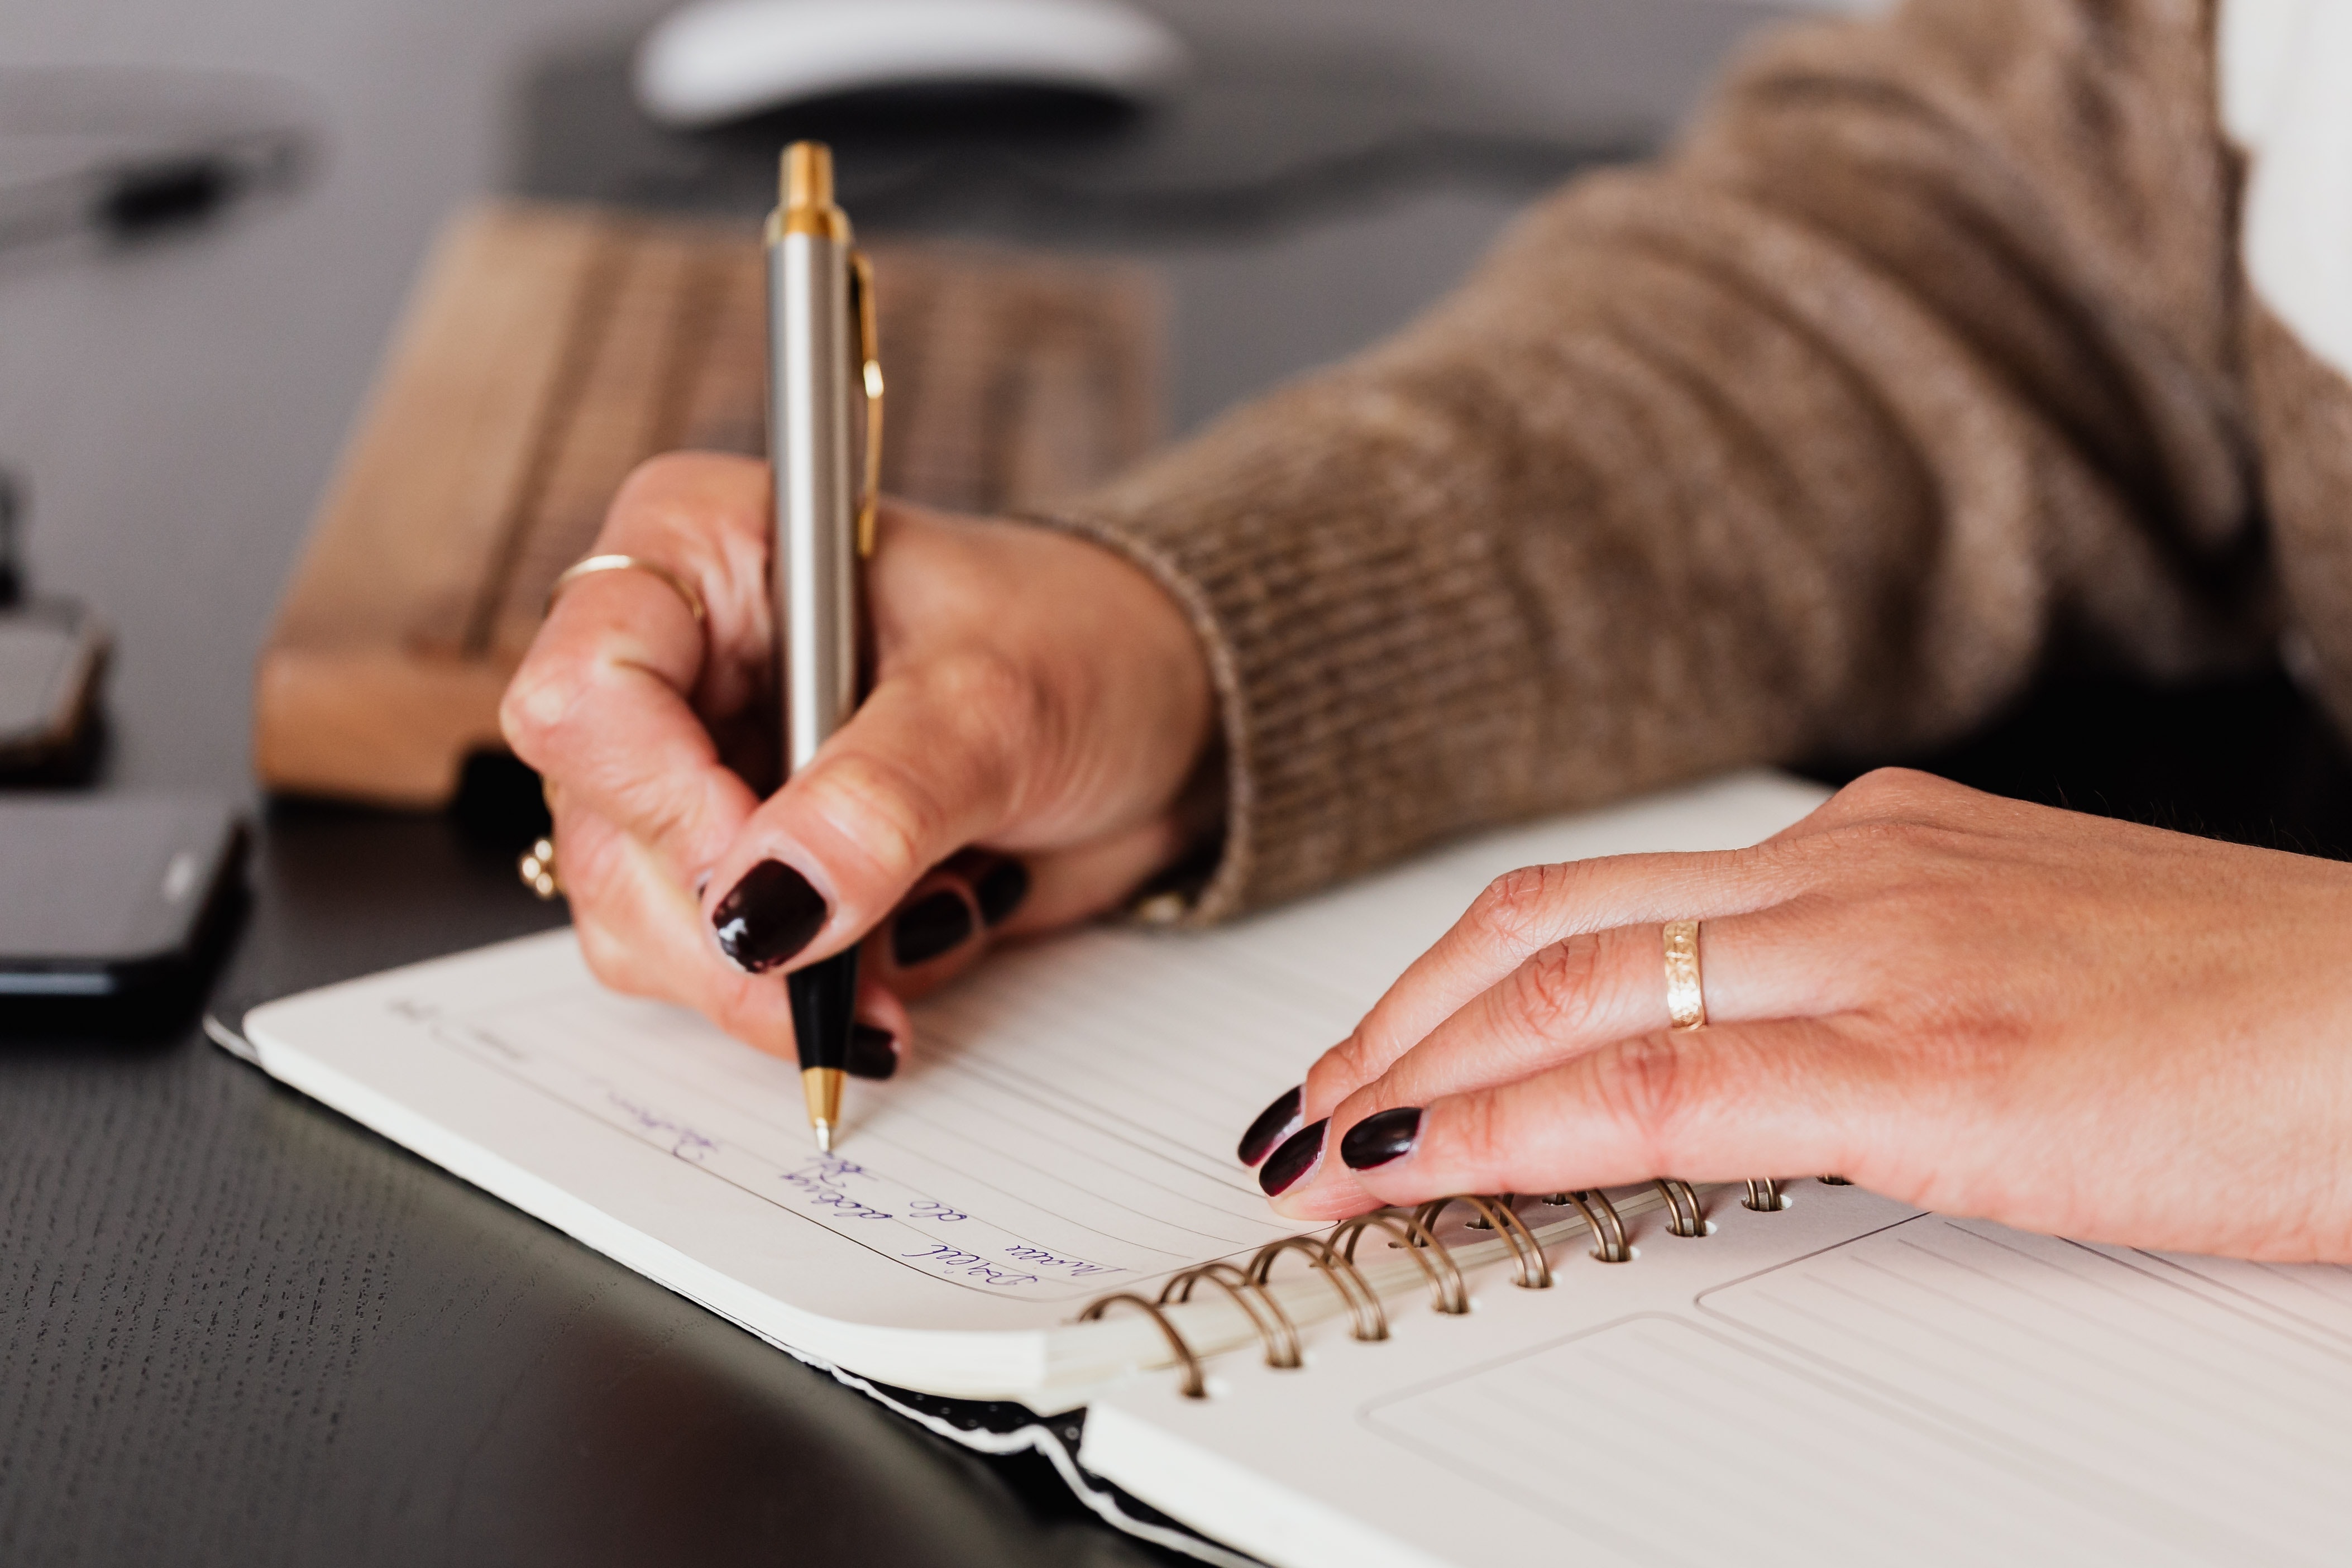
<point x="1927" y="359"/>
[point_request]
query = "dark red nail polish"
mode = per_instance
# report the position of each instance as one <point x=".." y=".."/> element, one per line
<point x="930" y="926"/>
<point x="1294" y="1161"/>
<point x="769" y="916"/>
<point x="1273" y="1125"/>
<point x="873" y="1053"/>
<point x="1381" y="1137"/>
<point x="1001" y="891"/>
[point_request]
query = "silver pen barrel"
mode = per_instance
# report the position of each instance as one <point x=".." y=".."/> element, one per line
<point x="813" y="566"/>
<point x="814" y="562"/>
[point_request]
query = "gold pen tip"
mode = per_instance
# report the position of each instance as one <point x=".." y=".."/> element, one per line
<point x="822" y="1088"/>
<point x="808" y="176"/>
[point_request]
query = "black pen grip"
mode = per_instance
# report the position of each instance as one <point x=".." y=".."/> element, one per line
<point x="824" y="1005"/>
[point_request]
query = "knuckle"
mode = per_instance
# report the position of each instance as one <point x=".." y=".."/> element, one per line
<point x="690" y="508"/>
<point x="538" y="703"/>
<point x="1882" y="785"/>
<point x="1351" y="1063"/>
<point x="1556" y="993"/>
<point x="665" y="482"/>
<point x="1900" y="795"/>
<point x="1643" y="1084"/>
<point x="884" y="808"/>
<point x="1475" y="1127"/>
<point x="1517" y="908"/>
<point x="665" y="813"/>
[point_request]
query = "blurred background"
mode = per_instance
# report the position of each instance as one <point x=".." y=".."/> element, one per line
<point x="172" y="402"/>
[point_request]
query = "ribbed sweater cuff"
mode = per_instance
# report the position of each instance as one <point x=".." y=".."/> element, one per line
<point x="1353" y="653"/>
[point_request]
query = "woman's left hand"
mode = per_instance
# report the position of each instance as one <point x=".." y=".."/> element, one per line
<point x="2059" y="1022"/>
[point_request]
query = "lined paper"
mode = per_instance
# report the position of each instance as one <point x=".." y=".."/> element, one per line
<point x="1045" y="1146"/>
<point x="2312" y="1296"/>
<point x="1657" y="1431"/>
<point x="2106" y="1373"/>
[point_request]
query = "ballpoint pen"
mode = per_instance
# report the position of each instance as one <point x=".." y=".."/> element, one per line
<point x="820" y="330"/>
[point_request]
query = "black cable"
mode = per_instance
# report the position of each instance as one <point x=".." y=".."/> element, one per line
<point x="174" y="150"/>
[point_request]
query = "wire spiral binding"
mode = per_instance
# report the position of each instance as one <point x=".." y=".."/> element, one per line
<point x="1195" y="1386"/>
<point x="1365" y="1319"/>
<point x="1534" y="1274"/>
<point x="1446" y="1291"/>
<point x="1257" y="1304"/>
<point x="1415" y="1232"/>
<point x="1685" y="1216"/>
<point x="1609" y="1243"/>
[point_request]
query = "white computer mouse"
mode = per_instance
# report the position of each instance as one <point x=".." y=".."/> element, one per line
<point x="716" y="61"/>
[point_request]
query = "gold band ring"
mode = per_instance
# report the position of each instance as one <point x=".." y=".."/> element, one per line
<point x="595" y="563"/>
<point x="1685" y="1002"/>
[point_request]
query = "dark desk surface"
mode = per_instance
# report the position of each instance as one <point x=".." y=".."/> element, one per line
<point x="235" y="1328"/>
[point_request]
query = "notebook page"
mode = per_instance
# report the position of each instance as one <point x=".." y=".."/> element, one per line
<point x="951" y="1203"/>
<point x="1917" y="1390"/>
<point x="1655" y="1422"/>
<point x="1064" y="1128"/>
<point x="2096" y="1367"/>
<point x="2316" y="1298"/>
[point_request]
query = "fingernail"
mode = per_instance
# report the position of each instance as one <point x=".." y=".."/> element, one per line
<point x="930" y="926"/>
<point x="1381" y="1137"/>
<point x="1000" y="892"/>
<point x="1273" y="1125"/>
<point x="873" y="1053"/>
<point x="769" y="916"/>
<point x="1294" y="1161"/>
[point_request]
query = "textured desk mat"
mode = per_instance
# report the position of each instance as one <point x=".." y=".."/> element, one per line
<point x="550" y="349"/>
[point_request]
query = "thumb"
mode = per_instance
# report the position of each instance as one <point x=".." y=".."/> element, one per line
<point x="935" y="759"/>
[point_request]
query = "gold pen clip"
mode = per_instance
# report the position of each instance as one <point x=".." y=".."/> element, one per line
<point x="861" y="284"/>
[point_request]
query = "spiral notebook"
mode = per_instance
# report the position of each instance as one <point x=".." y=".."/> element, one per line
<point x="1037" y="1236"/>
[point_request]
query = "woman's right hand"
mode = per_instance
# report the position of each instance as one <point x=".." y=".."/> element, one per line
<point x="1039" y="708"/>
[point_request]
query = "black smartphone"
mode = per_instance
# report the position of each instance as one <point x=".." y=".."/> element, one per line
<point x="112" y="898"/>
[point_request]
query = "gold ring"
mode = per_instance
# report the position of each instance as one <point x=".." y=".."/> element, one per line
<point x="595" y="563"/>
<point x="1685" y="1002"/>
<point x="538" y="867"/>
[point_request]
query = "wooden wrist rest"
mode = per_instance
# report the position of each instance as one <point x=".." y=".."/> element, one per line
<point x="546" y="351"/>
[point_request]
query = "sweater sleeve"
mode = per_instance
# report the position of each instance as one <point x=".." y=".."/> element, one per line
<point x="1912" y="367"/>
